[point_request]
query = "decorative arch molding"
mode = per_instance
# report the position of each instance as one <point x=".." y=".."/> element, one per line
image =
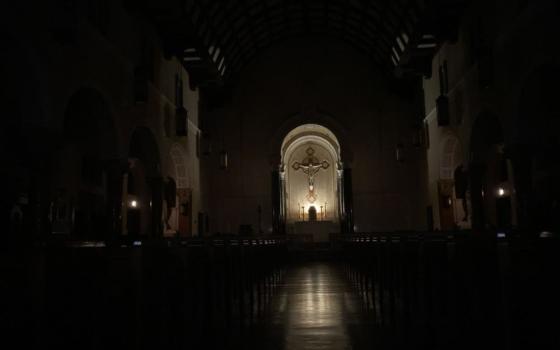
<point x="337" y="131"/>
<point x="451" y="156"/>
<point x="178" y="158"/>
<point x="311" y="133"/>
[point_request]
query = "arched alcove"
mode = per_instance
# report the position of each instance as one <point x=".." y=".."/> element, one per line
<point x="535" y="150"/>
<point x="451" y="156"/>
<point x="144" y="184"/>
<point x="489" y="187"/>
<point x="311" y="117"/>
<point x="453" y="207"/>
<point x="81" y="166"/>
<point x="25" y="140"/>
<point x="311" y="171"/>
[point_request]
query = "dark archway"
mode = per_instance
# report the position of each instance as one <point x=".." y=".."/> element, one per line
<point x="491" y="208"/>
<point x="535" y="151"/>
<point x="25" y="143"/>
<point x="145" y="185"/>
<point x="83" y="202"/>
<point x="452" y="204"/>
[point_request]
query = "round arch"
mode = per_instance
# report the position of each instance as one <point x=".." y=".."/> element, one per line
<point x="145" y="187"/>
<point x="489" y="187"/>
<point x="311" y="170"/>
<point x="178" y="158"/>
<point x="81" y="166"/>
<point x="451" y="156"/>
<point x="279" y="134"/>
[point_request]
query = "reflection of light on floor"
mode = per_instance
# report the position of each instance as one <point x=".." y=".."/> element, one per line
<point x="315" y="313"/>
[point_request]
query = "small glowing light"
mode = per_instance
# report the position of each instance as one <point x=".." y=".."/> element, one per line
<point x="501" y="192"/>
<point x="137" y="243"/>
<point x="501" y="235"/>
<point x="133" y="204"/>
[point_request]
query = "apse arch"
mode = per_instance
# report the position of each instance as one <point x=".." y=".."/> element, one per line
<point x="311" y="171"/>
<point x="280" y="132"/>
<point x="310" y="133"/>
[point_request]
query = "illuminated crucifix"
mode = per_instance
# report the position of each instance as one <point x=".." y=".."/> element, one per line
<point x="310" y="166"/>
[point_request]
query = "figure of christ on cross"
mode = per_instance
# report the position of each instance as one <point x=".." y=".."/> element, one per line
<point x="310" y="166"/>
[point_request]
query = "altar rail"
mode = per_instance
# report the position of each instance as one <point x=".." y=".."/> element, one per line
<point x="164" y="293"/>
<point x="458" y="290"/>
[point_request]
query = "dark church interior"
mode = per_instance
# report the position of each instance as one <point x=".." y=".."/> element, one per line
<point x="280" y="174"/>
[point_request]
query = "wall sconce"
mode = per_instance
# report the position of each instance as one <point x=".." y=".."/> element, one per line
<point x="501" y="192"/>
<point x="399" y="152"/>
<point x="223" y="159"/>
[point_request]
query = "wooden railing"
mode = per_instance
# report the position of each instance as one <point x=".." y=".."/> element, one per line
<point x="458" y="290"/>
<point x="166" y="293"/>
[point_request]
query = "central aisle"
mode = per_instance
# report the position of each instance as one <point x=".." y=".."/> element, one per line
<point x="315" y="308"/>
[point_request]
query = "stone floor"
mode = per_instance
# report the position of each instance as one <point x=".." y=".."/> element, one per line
<point x="315" y="308"/>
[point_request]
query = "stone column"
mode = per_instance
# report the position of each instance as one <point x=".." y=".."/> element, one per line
<point x="348" y="201"/>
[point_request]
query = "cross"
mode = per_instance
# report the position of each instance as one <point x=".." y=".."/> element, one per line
<point x="310" y="166"/>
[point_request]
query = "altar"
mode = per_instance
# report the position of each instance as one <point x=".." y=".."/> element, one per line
<point x="320" y="230"/>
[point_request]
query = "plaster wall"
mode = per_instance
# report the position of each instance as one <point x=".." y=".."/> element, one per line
<point x="103" y="57"/>
<point x="508" y="31"/>
<point x="330" y="84"/>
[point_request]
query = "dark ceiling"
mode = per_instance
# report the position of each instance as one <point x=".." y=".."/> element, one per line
<point x="217" y="39"/>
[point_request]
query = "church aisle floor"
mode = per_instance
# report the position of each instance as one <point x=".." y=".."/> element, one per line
<point x="314" y="309"/>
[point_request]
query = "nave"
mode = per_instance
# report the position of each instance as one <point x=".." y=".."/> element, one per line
<point x="364" y="291"/>
<point x="314" y="308"/>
